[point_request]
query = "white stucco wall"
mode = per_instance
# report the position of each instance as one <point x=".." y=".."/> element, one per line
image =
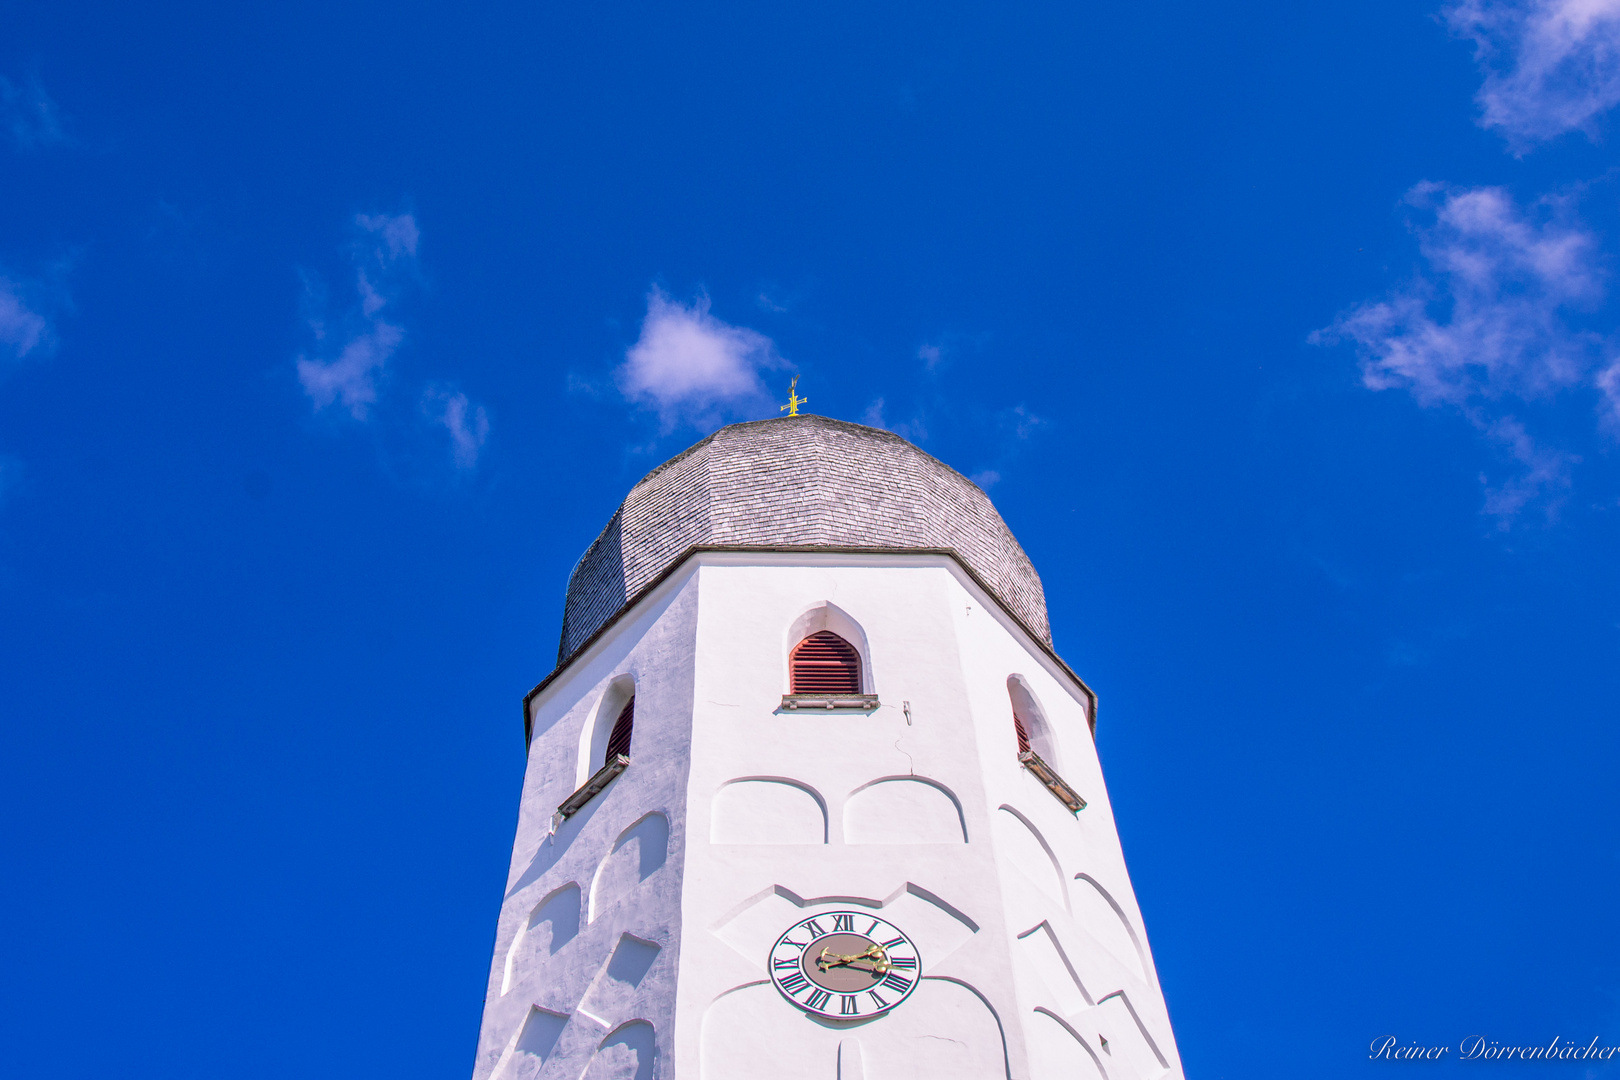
<point x="1032" y="945"/>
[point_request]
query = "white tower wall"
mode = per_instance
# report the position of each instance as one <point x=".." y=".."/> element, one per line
<point x="737" y="817"/>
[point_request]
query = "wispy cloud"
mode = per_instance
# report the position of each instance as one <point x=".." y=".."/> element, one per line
<point x="352" y="377"/>
<point x="986" y="478"/>
<point x="1022" y="422"/>
<point x="346" y="366"/>
<point x="396" y="234"/>
<point x="29" y="114"/>
<point x="914" y="430"/>
<point x="1608" y="383"/>
<point x="1486" y="322"/>
<point x="386" y="248"/>
<point x="1551" y="66"/>
<point x="467" y="423"/>
<point x="693" y="368"/>
<point x="1487" y="316"/>
<point x="23" y="330"/>
<point x="1545" y="473"/>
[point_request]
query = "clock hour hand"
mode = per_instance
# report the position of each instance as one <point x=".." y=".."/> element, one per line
<point x="874" y="955"/>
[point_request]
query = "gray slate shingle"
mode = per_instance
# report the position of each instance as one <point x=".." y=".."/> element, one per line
<point x="797" y="481"/>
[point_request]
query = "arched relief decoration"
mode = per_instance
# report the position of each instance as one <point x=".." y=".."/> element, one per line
<point x="754" y="924"/>
<point x="596" y="730"/>
<point x="749" y="1025"/>
<point x="829" y="616"/>
<point x="1027" y="710"/>
<point x="532" y="1046"/>
<point x="612" y="993"/>
<point x="1058" y="1052"/>
<point x="937" y="927"/>
<point x="1130" y="1045"/>
<point x="947" y="1029"/>
<point x="1023" y="846"/>
<point x="638" y="853"/>
<point x="904" y="810"/>
<point x="1096" y="909"/>
<point x="553" y="923"/>
<point x="630" y="1052"/>
<point x="1040" y="949"/>
<point x="767" y="810"/>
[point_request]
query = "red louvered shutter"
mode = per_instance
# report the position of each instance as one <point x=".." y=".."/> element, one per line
<point x="1023" y="733"/>
<point x="825" y="663"/>
<point x="619" y="739"/>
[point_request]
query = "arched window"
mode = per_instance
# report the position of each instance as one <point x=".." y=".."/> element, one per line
<point x="824" y="663"/>
<point x="604" y="752"/>
<point x="1036" y="751"/>
<point x="1029" y="721"/>
<point x="619" y="740"/>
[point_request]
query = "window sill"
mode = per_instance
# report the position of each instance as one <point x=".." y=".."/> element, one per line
<point x="604" y="776"/>
<point x="829" y="702"/>
<point x="1043" y="772"/>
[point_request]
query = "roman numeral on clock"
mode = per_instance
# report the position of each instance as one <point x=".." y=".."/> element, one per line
<point x="795" y="982"/>
<point x="909" y="963"/>
<point x="844" y="922"/>
<point x="892" y="944"/>
<point x="786" y="964"/>
<point x="895" y="982"/>
<point x="871" y="928"/>
<point x="817" y="999"/>
<point x="877" y="999"/>
<point x="847" y="1006"/>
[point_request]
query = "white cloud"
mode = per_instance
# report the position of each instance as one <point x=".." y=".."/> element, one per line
<point x="1608" y="383"/>
<point x="30" y="114"/>
<point x="1551" y="66"/>
<point x="693" y="368"/>
<point x="22" y="329"/>
<point x="1486" y="322"/>
<point x="986" y="478"/>
<point x="467" y="423"/>
<point x="398" y="233"/>
<point x="1488" y="316"/>
<point x="1545" y="473"/>
<point x="913" y="430"/>
<point x="352" y="377"/>
<point x="1023" y="422"/>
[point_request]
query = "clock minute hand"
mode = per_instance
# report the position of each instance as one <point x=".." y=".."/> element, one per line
<point x="873" y="954"/>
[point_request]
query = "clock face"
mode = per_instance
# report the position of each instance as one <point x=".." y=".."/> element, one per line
<point x="844" y="965"/>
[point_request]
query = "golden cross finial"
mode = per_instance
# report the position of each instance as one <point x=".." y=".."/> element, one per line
<point x="794" y="400"/>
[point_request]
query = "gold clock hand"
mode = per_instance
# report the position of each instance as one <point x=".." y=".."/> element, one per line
<point x="874" y="954"/>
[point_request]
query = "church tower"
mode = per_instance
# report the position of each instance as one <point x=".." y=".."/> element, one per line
<point x="810" y="795"/>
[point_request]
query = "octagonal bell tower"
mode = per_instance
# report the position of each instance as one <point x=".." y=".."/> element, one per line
<point x="809" y="794"/>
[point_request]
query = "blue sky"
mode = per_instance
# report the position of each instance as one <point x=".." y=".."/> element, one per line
<point x="1283" y="335"/>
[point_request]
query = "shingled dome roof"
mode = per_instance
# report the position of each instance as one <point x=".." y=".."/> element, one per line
<point x="797" y="483"/>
